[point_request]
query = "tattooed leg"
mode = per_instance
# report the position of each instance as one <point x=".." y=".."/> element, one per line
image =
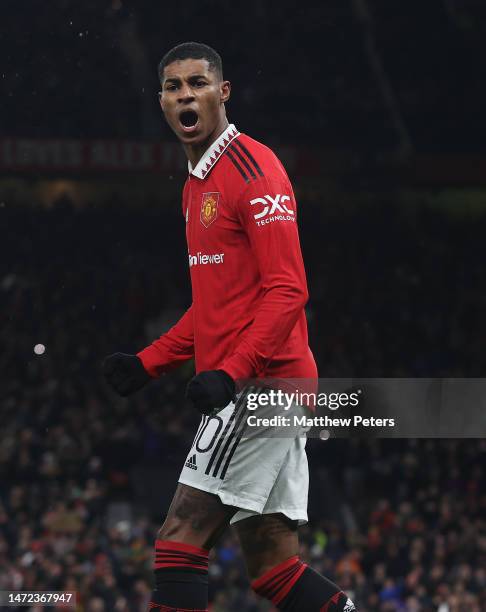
<point x="195" y="517"/>
<point x="271" y="548"/>
<point x="194" y="523"/>
<point x="266" y="541"/>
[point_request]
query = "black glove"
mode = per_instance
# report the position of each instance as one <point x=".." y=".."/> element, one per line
<point x="125" y="373"/>
<point x="211" y="390"/>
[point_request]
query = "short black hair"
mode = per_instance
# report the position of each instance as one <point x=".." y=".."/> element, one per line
<point x="192" y="50"/>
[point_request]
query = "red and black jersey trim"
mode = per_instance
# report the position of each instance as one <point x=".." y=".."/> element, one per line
<point x="249" y="155"/>
<point x="243" y="161"/>
<point x="237" y="166"/>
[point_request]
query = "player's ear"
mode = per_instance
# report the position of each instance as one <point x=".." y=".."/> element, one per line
<point x="225" y="89"/>
<point x="163" y="103"/>
<point x="161" y="92"/>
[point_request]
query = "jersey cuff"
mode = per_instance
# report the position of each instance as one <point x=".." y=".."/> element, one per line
<point x="151" y="361"/>
<point x="238" y="367"/>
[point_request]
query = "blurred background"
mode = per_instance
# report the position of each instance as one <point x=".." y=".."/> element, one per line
<point x="376" y="109"/>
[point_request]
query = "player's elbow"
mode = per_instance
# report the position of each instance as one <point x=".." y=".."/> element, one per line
<point x="299" y="296"/>
<point x="293" y="295"/>
<point x="304" y="297"/>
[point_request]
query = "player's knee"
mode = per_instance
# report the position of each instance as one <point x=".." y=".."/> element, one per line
<point x="170" y="530"/>
<point x="195" y="517"/>
<point x="186" y="532"/>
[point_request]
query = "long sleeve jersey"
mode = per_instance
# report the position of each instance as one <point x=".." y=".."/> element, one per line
<point x="248" y="280"/>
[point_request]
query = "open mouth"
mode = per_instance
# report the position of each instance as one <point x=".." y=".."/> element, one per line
<point x="188" y="120"/>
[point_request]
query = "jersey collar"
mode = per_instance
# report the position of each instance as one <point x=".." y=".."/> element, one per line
<point x="213" y="153"/>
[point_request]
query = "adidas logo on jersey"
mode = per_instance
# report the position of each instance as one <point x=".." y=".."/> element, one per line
<point x="191" y="462"/>
<point x="349" y="607"/>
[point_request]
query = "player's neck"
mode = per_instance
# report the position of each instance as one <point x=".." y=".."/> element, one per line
<point x="195" y="152"/>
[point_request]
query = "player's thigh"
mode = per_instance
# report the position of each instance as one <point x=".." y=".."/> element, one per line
<point x="267" y="540"/>
<point x="195" y="517"/>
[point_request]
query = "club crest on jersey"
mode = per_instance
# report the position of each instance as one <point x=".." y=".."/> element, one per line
<point x="209" y="208"/>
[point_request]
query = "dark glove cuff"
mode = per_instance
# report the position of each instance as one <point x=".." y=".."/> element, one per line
<point x="229" y="383"/>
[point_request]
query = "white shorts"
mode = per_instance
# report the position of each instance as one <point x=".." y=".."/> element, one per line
<point x="257" y="474"/>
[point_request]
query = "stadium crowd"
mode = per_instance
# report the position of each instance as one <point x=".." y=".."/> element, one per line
<point x="408" y="530"/>
<point x="84" y="70"/>
<point x="395" y="291"/>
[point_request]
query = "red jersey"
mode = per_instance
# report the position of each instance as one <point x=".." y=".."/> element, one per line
<point x="248" y="280"/>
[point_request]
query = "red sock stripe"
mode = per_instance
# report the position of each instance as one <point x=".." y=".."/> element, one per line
<point x="180" y="547"/>
<point x="333" y="601"/>
<point x="277" y="582"/>
<point x="179" y="555"/>
<point x="274" y="572"/>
